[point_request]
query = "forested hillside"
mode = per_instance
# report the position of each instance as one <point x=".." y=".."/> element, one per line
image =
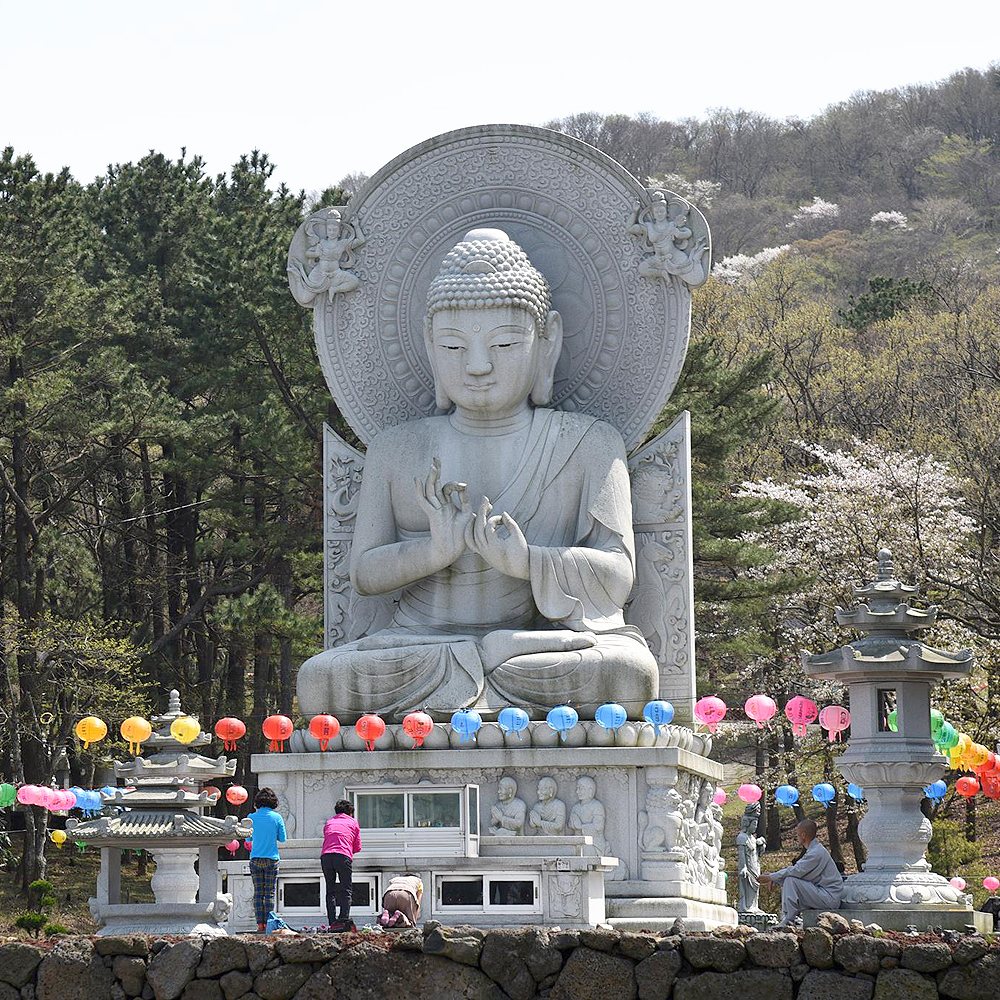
<point x="161" y="410"/>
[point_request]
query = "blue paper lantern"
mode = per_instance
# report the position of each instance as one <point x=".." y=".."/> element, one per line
<point x="787" y="795"/>
<point x="562" y="719"/>
<point x="466" y="723"/>
<point x="824" y="792"/>
<point x="610" y="716"/>
<point x="658" y="713"/>
<point x="513" y="720"/>
<point x="855" y="791"/>
<point x="936" y="789"/>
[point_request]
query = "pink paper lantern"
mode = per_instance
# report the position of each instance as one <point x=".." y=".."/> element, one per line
<point x="710" y="711"/>
<point x="26" y="795"/>
<point x="719" y="798"/>
<point x="47" y="798"/>
<point x="834" y="719"/>
<point x="991" y="883"/>
<point x="760" y="708"/>
<point x="800" y="712"/>
<point x="749" y="793"/>
<point x="233" y="846"/>
<point x="957" y="882"/>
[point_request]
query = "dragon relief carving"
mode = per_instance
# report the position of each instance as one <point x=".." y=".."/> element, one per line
<point x="662" y="602"/>
<point x="347" y="615"/>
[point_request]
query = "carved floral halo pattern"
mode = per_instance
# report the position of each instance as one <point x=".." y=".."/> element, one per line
<point x="570" y="207"/>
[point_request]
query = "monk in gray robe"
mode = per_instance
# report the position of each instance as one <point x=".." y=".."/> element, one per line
<point x="813" y="883"/>
<point x="504" y="527"/>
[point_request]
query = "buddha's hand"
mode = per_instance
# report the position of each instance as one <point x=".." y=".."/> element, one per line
<point x="448" y="522"/>
<point x="499" y="541"/>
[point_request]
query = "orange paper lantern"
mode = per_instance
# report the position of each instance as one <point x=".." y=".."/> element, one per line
<point x="370" y="728"/>
<point x="324" y="728"/>
<point x="91" y="729"/>
<point x="229" y="730"/>
<point x="277" y="728"/>
<point x="136" y="731"/>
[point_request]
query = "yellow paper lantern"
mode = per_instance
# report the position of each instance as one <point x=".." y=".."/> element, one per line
<point x="58" y="837"/>
<point x="91" y="730"/>
<point x="185" y="729"/>
<point x="136" y="731"/>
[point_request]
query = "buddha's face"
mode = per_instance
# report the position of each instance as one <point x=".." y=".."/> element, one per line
<point x="485" y="360"/>
<point x="546" y="789"/>
<point x="585" y="790"/>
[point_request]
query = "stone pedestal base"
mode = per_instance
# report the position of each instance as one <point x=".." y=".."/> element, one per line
<point x="652" y="833"/>
<point x="658" y="913"/>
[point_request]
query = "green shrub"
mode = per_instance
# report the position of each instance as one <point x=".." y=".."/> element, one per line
<point x="949" y="851"/>
<point x="51" y="929"/>
<point x="31" y="922"/>
<point x="40" y="893"/>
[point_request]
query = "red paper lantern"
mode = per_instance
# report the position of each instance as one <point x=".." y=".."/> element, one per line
<point x="967" y="787"/>
<point x="233" y="846"/>
<point x="370" y="728"/>
<point x="277" y="728"/>
<point x="418" y="725"/>
<point x="248" y="844"/>
<point x="213" y="793"/>
<point x="800" y="712"/>
<point x="990" y="785"/>
<point x="237" y="795"/>
<point x="324" y="728"/>
<point x="229" y="730"/>
<point x="988" y="766"/>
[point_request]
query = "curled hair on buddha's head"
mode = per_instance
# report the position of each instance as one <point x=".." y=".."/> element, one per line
<point x="487" y="269"/>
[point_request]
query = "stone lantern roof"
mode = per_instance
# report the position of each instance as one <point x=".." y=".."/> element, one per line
<point x="888" y="642"/>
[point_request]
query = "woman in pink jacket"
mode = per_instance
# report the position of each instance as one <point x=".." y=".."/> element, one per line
<point x="341" y="841"/>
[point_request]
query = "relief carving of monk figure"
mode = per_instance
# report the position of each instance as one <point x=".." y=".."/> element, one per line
<point x="504" y="528"/>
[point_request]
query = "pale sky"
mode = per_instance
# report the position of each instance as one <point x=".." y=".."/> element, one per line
<point x="331" y="88"/>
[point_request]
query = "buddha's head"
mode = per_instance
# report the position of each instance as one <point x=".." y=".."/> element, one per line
<point x="492" y="339"/>
<point x="586" y="789"/>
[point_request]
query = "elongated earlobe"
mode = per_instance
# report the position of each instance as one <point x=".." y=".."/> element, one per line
<point x="441" y="400"/>
<point x="549" y="348"/>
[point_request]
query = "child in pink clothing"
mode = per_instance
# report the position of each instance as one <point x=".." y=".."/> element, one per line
<point x="341" y="841"/>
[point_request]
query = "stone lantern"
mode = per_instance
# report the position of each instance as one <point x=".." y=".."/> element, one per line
<point x="163" y="812"/>
<point x="888" y="668"/>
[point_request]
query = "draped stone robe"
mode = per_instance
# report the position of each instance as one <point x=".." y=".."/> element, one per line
<point x="457" y="637"/>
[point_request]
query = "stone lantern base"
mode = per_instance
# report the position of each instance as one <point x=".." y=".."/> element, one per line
<point x="898" y="917"/>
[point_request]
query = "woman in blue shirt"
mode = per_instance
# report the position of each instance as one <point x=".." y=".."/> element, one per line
<point x="268" y="832"/>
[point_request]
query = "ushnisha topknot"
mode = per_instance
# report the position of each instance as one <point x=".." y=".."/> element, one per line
<point x="487" y="268"/>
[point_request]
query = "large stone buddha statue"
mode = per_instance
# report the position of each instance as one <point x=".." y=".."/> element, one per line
<point x="504" y="528"/>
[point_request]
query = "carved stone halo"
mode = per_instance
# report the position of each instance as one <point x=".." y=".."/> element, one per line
<point x="570" y="207"/>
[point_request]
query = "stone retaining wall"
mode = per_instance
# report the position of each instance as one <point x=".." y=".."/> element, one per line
<point x="831" y="962"/>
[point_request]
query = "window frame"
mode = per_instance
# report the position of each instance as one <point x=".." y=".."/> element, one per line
<point x="485" y="878"/>
<point x="373" y="879"/>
